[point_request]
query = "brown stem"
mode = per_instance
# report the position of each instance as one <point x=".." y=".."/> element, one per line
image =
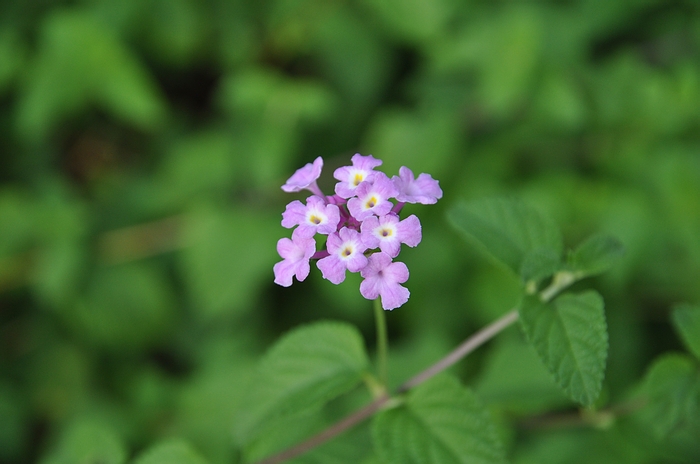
<point x="469" y="345"/>
<point x="332" y="431"/>
<point x="360" y="415"/>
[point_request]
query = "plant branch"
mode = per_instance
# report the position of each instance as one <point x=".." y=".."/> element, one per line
<point x="462" y="350"/>
<point x="360" y="415"/>
<point x="332" y="431"/>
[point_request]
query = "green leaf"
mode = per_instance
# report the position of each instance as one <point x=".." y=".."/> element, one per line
<point x="170" y="452"/>
<point x="88" y="442"/>
<point x="351" y="446"/>
<point x="307" y="367"/>
<point x="570" y="335"/>
<point x="508" y="230"/>
<point x="539" y="264"/>
<point x="535" y="391"/>
<point x="440" y="423"/>
<point x="595" y="255"/>
<point x="686" y="319"/>
<point x="673" y="386"/>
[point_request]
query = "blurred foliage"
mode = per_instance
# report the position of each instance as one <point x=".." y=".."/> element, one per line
<point x="143" y="143"/>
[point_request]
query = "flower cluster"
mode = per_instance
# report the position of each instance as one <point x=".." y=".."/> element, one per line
<point x="362" y="224"/>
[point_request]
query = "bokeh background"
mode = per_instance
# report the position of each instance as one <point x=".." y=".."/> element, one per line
<point x="142" y="148"/>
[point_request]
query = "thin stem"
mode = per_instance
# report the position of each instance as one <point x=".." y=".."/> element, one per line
<point x="360" y="415"/>
<point x="462" y="350"/>
<point x="380" y="320"/>
<point x="560" y="282"/>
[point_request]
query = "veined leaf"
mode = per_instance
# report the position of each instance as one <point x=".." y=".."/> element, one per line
<point x="170" y="452"/>
<point x="595" y="255"/>
<point x="508" y="230"/>
<point x="440" y="423"/>
<point x="673" y="385"/>
<point x="686" y="319"/>
<point x="307" y="367"/>
<point x="570" y="335"/>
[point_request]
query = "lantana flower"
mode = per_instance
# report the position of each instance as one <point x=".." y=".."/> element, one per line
<point x="372" y="197"/>
<point x="345" y="252"/>
<point x="296" y="253"/>
<point x="351" y="177"/>
<point x="305" y="178"/>
<point x="315" y="217"/>
<point x="388" y="233"/>
<point x="424" y="190"/>
<point x="362" y="223"/>
<point x="383" y="278"/>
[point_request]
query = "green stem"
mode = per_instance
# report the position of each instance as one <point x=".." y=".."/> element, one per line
<point x="380" y="320"/>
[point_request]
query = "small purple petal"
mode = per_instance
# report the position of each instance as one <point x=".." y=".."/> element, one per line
<point x="383" y="278"/>
<point x="350" y="177"/>
<point x="345" y="250"/>
<point x="316" y="217"/>
<point x="305" y="178"/>
<point x="409" y="231"/>
<point x="296" y="253"/>
<point x="424" y="190"/>
<point x="387" y="233"/>
<point x="373" y="198"/>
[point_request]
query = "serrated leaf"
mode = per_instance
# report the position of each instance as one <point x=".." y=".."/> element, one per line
<point x="304" y="369"/>
<point x="570" y="336"/>
<point x="440" y="423"/>
<point x="507" y="229"/>
<point x="673" y="386"/>
<point x="595" y="255"/>
<point x="170" y="452"/>
<point x="686" y="319"/>
<point x="88" y="441"/>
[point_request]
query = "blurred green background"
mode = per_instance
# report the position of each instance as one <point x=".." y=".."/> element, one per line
<point x="142" y="148"/>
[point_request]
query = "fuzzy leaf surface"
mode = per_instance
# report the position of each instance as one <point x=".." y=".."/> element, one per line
<point x="305" y="368"/>
<point x="686" y="319"/>
<point x="507" y="229"/>
<point x="570" y="336"/>
<point x="440" y="423"/>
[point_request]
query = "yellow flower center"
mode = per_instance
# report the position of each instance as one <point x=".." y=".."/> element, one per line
<point x="371" y="203"/>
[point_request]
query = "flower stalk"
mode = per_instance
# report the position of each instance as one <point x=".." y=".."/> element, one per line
<point x="382" y="344"/>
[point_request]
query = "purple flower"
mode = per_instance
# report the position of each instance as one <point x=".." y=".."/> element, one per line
<point x="296" y="253"/>
<point x="350" y="177"/>
<point x="387" y="233"/>
<point x="315" y="217"/>
<point x="373" y="198"/>
<point x="424" y="190"/>
<point x="382" y="278"/>
<point x="305" y="178"/>
<point x="346" y="252"/>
